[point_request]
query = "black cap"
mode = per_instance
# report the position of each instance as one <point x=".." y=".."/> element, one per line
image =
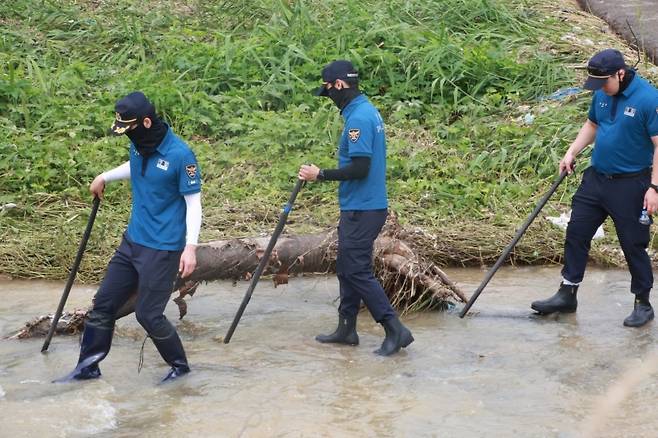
<point x="130" y="110"/>
<point x="603" y="65"/>
<point x="340" y="69"/>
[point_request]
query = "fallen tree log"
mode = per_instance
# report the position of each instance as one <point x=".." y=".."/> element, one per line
<point x="410" y="282"/>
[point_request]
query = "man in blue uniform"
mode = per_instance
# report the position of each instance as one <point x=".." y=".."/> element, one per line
<point x="621" y="182"/>
<point x="160" y="240"/>
<point x="363" y="209"/>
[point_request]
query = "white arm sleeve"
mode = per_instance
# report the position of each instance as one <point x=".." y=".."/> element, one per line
<point x="193" y="218"/>
<point x="121" y="172"/>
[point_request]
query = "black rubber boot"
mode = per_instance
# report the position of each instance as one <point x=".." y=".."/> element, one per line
<point x="345" y="333"/>
<point x="95" y="345"/>
<point x="563" y="301"/>
<point x="397" y="336"/>
<point x="642" y="313"/>
<point x="171" y="350"/>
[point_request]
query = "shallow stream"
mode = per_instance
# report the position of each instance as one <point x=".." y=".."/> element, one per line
<point x="497" y="373"/>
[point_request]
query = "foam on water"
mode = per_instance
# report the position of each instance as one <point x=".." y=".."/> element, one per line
<point x="94" y="417"/>
<point x="62" y="411"/>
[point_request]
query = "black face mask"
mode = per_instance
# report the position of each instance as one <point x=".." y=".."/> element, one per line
<point x="343" y="96"/>
<point x="628" y="77"/>
<point x="146" y="140"/>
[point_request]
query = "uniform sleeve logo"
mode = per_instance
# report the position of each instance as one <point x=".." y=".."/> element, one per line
<point x="191" y="170"/>
<point x="354" y="134"/>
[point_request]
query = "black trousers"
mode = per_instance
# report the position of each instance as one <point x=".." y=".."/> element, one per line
<point x="598" y="197"/>
<point x="148" y="271"/>
<point x="357" y="231"/>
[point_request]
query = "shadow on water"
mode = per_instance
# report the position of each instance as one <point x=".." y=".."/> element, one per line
<point x="511" y="313"/>
<point x="501" y="371"/>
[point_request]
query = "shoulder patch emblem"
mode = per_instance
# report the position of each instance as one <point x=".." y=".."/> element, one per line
<point x="191" y="170"/>
<point x="354" y="134"/>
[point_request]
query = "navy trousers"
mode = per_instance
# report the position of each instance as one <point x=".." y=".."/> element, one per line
<point x="148" y="271"/>
<point x="598" y="197"/>
<point x="357" y="231"/>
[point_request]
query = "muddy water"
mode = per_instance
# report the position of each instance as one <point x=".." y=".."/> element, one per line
<point x="502" y="372"/>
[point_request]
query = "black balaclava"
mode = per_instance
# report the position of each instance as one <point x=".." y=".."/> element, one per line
<point x="628" y="77"/>
<point x="343" y="96"/>
<point x="146" y="140"/>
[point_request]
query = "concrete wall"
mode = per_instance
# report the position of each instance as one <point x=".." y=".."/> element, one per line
<point x="642" y="16"/>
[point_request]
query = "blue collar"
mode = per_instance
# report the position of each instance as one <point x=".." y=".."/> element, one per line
<point x="165" y="144"/>
<point x="632" y="86"/>
<point x="358" y="100"/>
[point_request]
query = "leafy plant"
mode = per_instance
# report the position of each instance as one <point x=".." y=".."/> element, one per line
<point x="235" y="80"/>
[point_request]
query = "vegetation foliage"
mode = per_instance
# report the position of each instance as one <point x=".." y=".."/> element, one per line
<point x="452" y="79"/>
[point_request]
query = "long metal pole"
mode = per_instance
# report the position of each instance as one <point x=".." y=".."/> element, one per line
<point x="265" y="259"/>
<point x="512" y="244"/>
<point x="74" y="271"/>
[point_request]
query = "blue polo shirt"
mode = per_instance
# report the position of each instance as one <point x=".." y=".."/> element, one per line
<point x="157" y="219"/>
<point x="363" y="136"/>
<point x="626" y="124"/>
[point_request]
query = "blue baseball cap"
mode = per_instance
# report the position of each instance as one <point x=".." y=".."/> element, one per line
<point x="340" y="69"/>
<point x="130" y="110"/>
<point x="601" y="66"/>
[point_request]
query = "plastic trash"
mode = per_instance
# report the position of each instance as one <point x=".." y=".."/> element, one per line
<point x="5" y="207"/>
<point x="563" y="220"/>
<point x="563" y="93"/>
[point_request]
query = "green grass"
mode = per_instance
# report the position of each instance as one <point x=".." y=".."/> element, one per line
<point x="451" y="78"/>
